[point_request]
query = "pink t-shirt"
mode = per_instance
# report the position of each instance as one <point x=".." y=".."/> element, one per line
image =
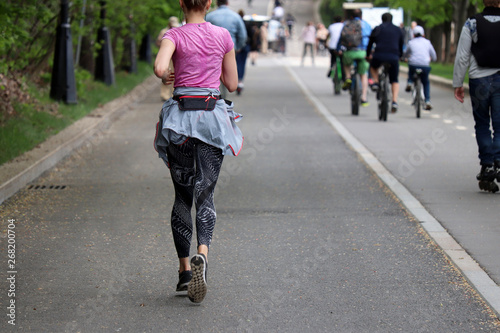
<point x="199" y="51"/>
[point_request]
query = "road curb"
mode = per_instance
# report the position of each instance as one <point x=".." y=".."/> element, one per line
<point x="20" y="171"/>
<point x="437" y="80"/>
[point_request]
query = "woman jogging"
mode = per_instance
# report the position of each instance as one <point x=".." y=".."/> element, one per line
<point x="195" y="130"/>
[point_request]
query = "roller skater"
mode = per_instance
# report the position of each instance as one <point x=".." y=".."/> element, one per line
<point x="477" y="52"/>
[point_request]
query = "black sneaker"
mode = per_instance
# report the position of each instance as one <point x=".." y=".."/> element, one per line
<point x="197" y="287"/>
<point x="408" y="88"/>
<point x="184" y="278"/>
<point x="375" y="87"/>
<point x="486" y="178"/>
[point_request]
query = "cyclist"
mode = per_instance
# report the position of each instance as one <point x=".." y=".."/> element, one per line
<point x="419" y="53"/>
<point x="352" y="46"/>
<point x="389" y="42"/>
<point x="333" y="39"/>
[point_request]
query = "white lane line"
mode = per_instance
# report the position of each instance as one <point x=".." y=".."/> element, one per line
<point x="476" y="276"/>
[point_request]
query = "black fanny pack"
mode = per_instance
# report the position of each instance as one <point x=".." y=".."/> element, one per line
<point x="194" y="103"/>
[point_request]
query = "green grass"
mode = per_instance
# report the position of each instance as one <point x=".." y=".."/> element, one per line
<point x="36" y="121"/>
<point x="443" y="70"/>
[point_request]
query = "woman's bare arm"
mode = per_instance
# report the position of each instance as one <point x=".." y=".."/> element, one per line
<point x="229" y="74"/>
<point x="161" y="67"/>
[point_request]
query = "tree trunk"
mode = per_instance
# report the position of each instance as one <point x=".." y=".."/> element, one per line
<point x="87" y="54"/>
<point x="460" y="8"/>
<point x="88" y="44"/>
<point x="447" y="46"/>
<point x="436" y="38"/>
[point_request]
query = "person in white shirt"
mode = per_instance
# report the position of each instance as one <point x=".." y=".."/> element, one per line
<point x="419" y="53"/>
<point x="278" y="12"/>
<point x="334" y="31"/>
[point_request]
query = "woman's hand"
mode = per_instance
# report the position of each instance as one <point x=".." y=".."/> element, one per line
<point x="168" y="77"/>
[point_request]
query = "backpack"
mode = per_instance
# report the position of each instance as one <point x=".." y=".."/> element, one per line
<point x="486" y="50"/>
<point x="351" y="34"/>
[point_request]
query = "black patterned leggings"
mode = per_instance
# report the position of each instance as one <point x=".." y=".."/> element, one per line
<point x="194" y="168"/>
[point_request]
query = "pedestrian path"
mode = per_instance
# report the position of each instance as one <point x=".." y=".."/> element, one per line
<point x="307" y="238"/>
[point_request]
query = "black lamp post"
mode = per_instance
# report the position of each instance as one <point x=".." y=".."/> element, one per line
<point x="62" y="85"/>
<point x="104" y="67"/>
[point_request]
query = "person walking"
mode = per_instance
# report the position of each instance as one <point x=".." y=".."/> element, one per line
<point x="389" y="41"/>
<point x="290" y="22"/>
<point x="224" y="17"/>
<point x="420" y="52"/>
<point x="273" y="35"/>
<point x="282" y="37"/>
<point x="166" y="91"/>
<point x="309" y="37"/>
<point x="278" y="11"/>
<point x="255" y="43"/>
<point x="321" y="37"/>
<point x="196" y="129"/>
<point x="477" y="52"/>
<point x="242" y="55"/>
<point x="264" y="38"/>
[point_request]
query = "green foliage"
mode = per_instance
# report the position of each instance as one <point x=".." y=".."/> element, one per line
<point x="430" y="12"/>
<point x="28" y="27"/>
<point x="329" y="9"/>
<point x="433" y="12"/>
<point x="25" y="36"/>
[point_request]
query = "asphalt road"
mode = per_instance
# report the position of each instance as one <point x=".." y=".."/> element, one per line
<point x="307" y="238"/>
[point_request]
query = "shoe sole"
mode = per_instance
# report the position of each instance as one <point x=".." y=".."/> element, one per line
<point x="489" y="186"/>
<point x="197" y="287"/>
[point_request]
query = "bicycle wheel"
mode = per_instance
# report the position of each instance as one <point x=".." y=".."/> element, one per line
<point x="355" y="94"/>
<point x="384" y="98"/>
<point x="337" y="84"/>
<point x="418" y="96"/>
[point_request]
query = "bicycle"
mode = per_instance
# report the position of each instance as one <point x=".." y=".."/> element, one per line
<point x="355" y="89"/>
<point x="383" y="93"/>
<point x="417" y="92"/>
<point x="335" y="74"/>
